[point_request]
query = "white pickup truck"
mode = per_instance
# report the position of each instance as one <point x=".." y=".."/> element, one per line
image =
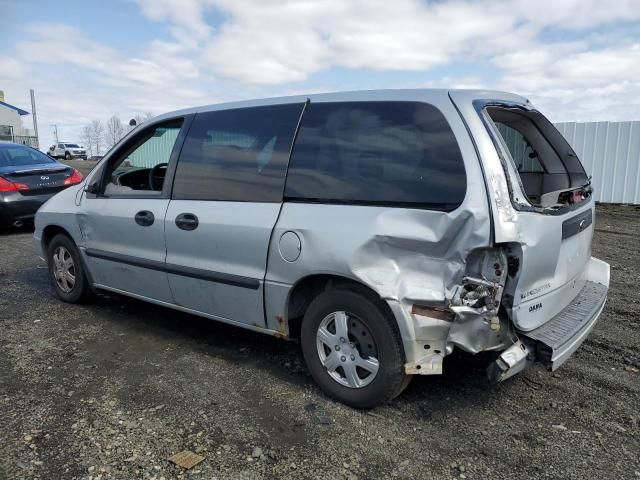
<point x="67" y="151"/>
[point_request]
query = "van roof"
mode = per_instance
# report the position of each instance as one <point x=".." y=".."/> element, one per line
<point x="417" y="94"/>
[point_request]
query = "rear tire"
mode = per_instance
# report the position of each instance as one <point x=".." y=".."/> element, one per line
<point x="67" y="156"/>
<point x="66" y="270"/>
<point x="363" y="368"/>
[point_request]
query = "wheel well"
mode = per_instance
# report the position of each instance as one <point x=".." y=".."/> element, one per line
<point x="51" y="231"/>
<point x="310" y="287"/>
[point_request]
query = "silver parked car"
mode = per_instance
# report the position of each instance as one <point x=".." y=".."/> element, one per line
<point x="383" y="229"/>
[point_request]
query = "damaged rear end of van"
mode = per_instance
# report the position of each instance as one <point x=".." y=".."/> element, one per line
<point x="538" y="289"/>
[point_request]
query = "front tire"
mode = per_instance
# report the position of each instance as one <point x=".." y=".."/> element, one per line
<point x="67" y="156"/>
<point x="66" y="270"/>
<point x="353" y="349"/>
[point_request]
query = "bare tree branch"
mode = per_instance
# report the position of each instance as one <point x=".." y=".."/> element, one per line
<point x="115" y="131"/>
<point x="87" y="138"/>
<point x="97" y="135"/>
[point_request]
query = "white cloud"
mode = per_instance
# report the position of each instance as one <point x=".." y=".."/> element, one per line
<point x="11" y="67"/>
<point x="184" y="14"/>
<point x="274" y="42"/>
<point x="271" y="42"/>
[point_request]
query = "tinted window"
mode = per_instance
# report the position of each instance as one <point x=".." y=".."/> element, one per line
<point x="377" y="153"/>
<point x="237" y="155"/>
<point x="15" y="156"/>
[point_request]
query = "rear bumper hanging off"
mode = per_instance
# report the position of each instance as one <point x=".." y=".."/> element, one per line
<point x="554" y="342"/>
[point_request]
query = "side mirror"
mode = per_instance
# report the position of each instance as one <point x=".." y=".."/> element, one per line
<point x="92" y="188"/>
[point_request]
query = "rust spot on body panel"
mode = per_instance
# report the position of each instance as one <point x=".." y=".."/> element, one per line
<point x="283" y="330"/>
<point x="433" y="312"/>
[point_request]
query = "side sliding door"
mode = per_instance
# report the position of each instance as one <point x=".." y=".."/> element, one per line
<point x="226" y="199"/>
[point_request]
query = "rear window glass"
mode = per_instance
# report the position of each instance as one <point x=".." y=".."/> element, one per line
<point x="237" y="155"/>
<point x="11" y="156"/>
<point x="377" y="153"/>
<point x="548" y="168"/>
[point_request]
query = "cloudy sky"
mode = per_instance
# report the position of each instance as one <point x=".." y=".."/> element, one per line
<point x="575" y="59"/>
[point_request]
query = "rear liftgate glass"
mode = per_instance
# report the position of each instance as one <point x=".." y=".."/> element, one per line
<point x="548" y="169"/>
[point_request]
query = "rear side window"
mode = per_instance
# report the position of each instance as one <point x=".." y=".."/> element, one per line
<point x="377" y="153"/>
<point x="237" y="155"/>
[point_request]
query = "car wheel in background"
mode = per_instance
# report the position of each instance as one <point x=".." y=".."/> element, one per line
<point x="66" y="270"/>
<point x="352" y="349"/>
<point x="67" y="156"/>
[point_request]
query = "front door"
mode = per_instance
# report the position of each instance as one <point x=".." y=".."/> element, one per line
<point x="123" y="222"/>
<point x="226" y="199"/>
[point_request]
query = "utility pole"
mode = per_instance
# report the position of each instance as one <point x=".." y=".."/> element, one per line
<point x="55" y="132"/>
<point x="35" y="120"/>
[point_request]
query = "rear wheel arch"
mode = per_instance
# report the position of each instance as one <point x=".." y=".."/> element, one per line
<point x="308" y="288"/>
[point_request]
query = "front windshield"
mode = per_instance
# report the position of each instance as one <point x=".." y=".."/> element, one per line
<point x="72" y="145"/>
<point x="18" y="156"/>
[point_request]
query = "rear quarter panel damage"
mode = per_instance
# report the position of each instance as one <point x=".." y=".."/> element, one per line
<point x="407" y="255"/>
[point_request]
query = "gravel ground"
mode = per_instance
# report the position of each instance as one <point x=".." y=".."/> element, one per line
<point x="113" y="388"/>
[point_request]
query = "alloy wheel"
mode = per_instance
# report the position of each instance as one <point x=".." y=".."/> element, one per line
<point x="64" y="270"/>
<point x="347" y="350"/>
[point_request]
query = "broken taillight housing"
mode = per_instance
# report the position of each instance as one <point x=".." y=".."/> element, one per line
<point x="7" y="186"/>
<point x="574" y="196"/>
<point x="75" y="178"/>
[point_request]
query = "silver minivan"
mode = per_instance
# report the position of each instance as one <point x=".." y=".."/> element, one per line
<point x="382" y="229"/>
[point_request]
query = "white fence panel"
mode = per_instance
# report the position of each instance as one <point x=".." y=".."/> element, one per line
<point x="610" y="152"/>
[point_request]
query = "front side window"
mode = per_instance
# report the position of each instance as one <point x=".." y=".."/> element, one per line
<point x="377" y="153"/>
<point x="237" y="155"/>
<point x="142" y="168"/>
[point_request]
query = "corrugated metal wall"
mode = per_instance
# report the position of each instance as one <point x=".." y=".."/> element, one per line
<point x="610" y="152"/>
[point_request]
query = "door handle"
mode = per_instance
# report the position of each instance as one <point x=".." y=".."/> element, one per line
<point x="187" y="221"/>
<point x="144" y="218"/>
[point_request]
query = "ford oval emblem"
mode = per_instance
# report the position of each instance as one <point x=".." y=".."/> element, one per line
<point x="43" y="177"/>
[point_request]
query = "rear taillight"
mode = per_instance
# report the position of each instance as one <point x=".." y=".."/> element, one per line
<point x="7" y="186"/>
<point x="76" y="177"/>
